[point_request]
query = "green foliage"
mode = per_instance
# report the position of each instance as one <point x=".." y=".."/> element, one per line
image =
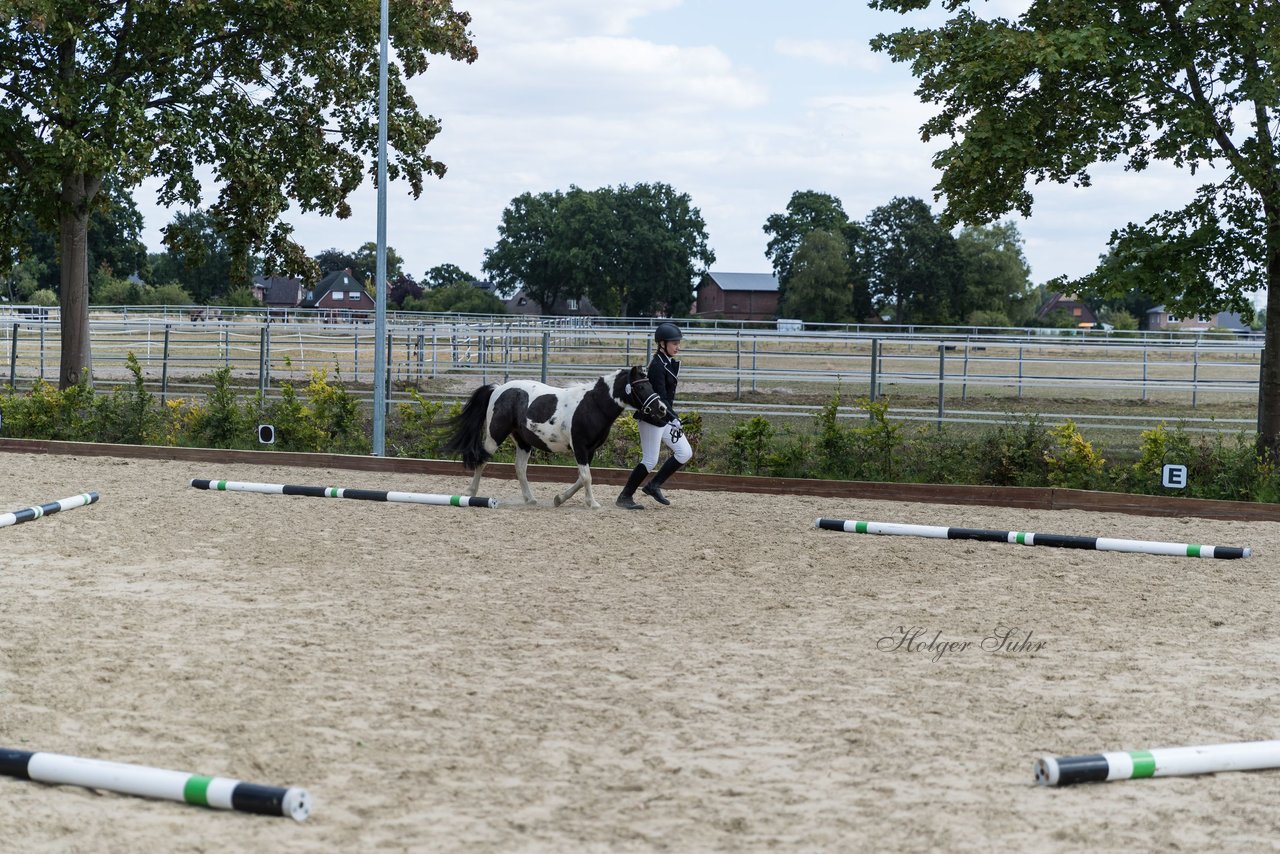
<point x="989" y="318"/>
<point x="914" y="266"/>
<point x="808" y="212"/>
<point x="996" y="276"/>
<point x="47" y="412"/>
<point x="110" y="290"/>
<point x="631" y="249"/>
<point x="1014" y="454"/>
<point x="622" y="448"/>
<point x="749" y="445"/>
<point x="325" y="419"/>
<point x="222" y="422"/>
<point x="269" y="101"/>
<point x="821" y="287"/>
<point x="1073" y="462"/>
<point x="129" y="415"/>
<point x="44" y="297"/>
<point x="460" y="297"/>
<point x="1068" y="85"/>
<point x="445" y="274"/>
<point x="863" y="452"/>
<point x="417" y="431"/>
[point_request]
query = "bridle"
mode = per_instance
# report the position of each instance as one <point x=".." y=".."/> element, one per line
<point x="649" y="405"/>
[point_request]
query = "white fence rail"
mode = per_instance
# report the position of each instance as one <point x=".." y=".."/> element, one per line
<point x="719" y="365"/>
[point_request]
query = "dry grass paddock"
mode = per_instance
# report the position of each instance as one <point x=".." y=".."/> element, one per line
<point x="709" y="676"/>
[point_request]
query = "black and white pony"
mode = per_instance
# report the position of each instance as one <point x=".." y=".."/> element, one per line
<point x="558" y="420"/>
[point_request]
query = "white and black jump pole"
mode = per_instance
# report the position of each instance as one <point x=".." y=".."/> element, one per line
<point x="1159" y="762"/>
<point x="1026" y="538"/>
<point x="145" y="782"/>
<point x="340" y="492"/>
<point x="39" y="511"/>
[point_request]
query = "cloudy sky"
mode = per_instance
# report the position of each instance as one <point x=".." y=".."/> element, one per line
<point x="738" y="103"/>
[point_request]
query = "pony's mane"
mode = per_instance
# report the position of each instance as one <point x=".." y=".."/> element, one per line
<point x="591" y="382"/>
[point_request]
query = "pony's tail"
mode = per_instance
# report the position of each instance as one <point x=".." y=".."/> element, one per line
<point x="468" y="429"/>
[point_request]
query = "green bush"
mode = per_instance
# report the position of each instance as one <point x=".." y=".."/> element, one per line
<point x="1014" y="454"/>
<point x="323" y="416"/>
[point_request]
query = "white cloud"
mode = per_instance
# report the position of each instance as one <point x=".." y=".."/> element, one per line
<point x="497" y="21"/>
<point x="595" y="75"/>
<point x="845" y="53"/>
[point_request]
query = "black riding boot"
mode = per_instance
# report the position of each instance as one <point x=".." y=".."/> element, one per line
<point x="653" y="488"/>
<point x="625" y="500"/>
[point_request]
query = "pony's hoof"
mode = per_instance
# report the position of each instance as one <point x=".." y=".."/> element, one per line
<point x="595" y="505"/>
<point x="558" y="500"/>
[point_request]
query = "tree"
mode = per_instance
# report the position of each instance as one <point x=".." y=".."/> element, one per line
<point x="1071" y="84"/>
<point x="997" y="277"/>
<point x="365" y="269"/>
<point x="202" y="263"/>
<point x="809" y="211"/>
<point x="913" y="264"/>
<point x="277" y="100"/>
<point x="647" y="262"/>
<point x="459" y="297"/>
<point x="633" y="250"/>
<point x="446" y="274"/>
<point x="821" y="289"/>
<point x="528" y="253"/>
<point x="333" y="260"/>
<point x="401" y="288"/>
<point x="114" y="240"/>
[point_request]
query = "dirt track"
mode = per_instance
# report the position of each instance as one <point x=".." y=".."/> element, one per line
<point x="714" y="675"/>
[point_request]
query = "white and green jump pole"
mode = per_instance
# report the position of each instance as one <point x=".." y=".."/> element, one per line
<point x="1160" y="762"/>
<point x="1062" y="541"/>
<point x="30" y="514"/>
<point x="145" y="782"/>
<point x="337" y="492"/>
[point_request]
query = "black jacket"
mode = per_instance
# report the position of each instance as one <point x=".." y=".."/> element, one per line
<point x="664" y="375"/>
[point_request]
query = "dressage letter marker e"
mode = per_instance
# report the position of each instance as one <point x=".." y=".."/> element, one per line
<point x="1174" y="477"/>
<point x="337" y="492"/>
<point x="220" y="793"/>
<point x="1062" y="541"/>
<point x="1161" y="762"/>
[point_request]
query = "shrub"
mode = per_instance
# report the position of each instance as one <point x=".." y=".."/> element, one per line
<point x="1014" y="454"/>
<point x="748" y="446"/>
<point x="1073" y="463"/>
<point x="129" y="415"/>
<point x="222" y="422"/>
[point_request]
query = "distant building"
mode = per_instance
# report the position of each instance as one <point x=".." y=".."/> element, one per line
<point x="1071" y="304"/>
<point x="1159" y="318"/>
<point x="342" y="297"/>
<point x="280" y="293"/>
<point x="522" y="303"/>
<point x="737" y="296"/>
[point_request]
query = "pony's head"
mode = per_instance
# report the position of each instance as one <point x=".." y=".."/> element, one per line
<point x="632" y="388"/>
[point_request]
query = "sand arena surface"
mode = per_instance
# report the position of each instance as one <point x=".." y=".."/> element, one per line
<point x="709" y="676"/>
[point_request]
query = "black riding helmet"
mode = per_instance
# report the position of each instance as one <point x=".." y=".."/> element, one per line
<point x="667" y="332"/>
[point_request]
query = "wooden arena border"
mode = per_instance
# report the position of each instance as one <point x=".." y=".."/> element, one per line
<point x="1025" y="497"/>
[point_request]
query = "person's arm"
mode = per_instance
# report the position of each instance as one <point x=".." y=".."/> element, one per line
<point x="660" y="381"/>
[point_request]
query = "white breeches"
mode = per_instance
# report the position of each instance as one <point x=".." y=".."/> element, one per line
<point x="653" y="438"/>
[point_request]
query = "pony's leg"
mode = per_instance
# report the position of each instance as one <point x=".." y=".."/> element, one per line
<point x="583" y="482"/>
<point x="571" y="491"/>
<point x="584" y="477"/>
<point x="522" y="467"/>
<point x="475" y="481"/>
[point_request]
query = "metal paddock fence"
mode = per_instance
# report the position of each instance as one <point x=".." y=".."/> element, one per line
<point x="743" y="371"/>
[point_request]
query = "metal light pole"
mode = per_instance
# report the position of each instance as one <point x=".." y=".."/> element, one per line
<point x="380" y="277"/>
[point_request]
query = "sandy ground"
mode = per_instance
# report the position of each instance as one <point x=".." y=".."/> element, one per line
<point x="709" y="676"/>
